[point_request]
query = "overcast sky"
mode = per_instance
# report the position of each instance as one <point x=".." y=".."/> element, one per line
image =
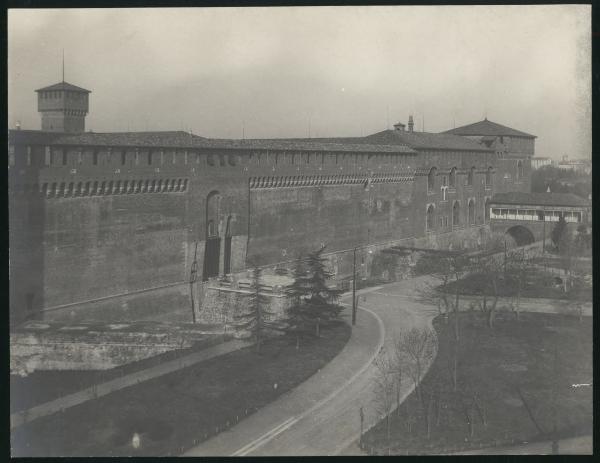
<point x="273" y="72"/>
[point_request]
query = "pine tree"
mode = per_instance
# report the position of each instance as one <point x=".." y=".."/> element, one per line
<point x="314" y="304"/>
<point x="256" y="317"/>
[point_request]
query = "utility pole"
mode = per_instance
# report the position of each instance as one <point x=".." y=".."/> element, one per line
<point x="544" y="232"/>
<point x="193" y="277"/>
<point x="362" y="419"/>
<point x="354" y="288"/>
<point x="504" y="265"/>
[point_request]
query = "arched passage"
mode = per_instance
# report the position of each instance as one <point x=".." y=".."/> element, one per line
<point x="212" y="248"/>
<point x="522" y="235"/>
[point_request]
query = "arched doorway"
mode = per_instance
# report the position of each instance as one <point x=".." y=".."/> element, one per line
<point x="227" y="249"/>
<point x="522" y="235"/>
<point x="212" y="248"/>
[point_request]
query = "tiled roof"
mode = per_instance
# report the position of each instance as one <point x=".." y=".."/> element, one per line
<point x="180" y="139"/>
<point x="309" y="145"/>
<point x="169" y="138"/>
<point x="486" y="127"/>
<point x="426" y="140"/>
<point x="33" y="137"/>
<point x="64" y="86"/>
<point x="539" y="199"/>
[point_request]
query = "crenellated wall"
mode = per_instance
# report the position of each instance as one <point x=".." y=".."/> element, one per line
<point x="91" y="223"/>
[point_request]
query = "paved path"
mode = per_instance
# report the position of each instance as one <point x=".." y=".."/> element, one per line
<point x="582" y="445"/>
<point x="99" y="390"/>
<point x="321" y="415"/>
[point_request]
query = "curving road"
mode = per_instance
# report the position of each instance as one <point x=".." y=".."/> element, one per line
<point x="321" y="415"/>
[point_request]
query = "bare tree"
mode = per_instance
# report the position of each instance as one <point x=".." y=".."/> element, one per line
<point x="519" y="264"/>
<point x="418" y="346"/>
<point x="491" y="267"/>
<point x="385" y="382"/>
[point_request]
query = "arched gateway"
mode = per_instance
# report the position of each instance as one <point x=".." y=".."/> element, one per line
<point x="522" y="235"/>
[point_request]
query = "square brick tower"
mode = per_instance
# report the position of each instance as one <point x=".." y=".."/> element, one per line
<point x="63" y="107"/>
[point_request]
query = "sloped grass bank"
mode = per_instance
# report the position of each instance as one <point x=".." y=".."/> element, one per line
<point x="514" y="383"/>
<point x="43" y="386"/>
<point x="174" y="412"/>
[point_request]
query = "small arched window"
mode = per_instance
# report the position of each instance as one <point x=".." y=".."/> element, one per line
<point x="452" y="179"/>
<point x="429" y="219"/>
<point x="456" y="214"/>
<point x="431" y="180"/>
<point x="488" y="177"/>
<point x="471" y="176"/>
<point x="471" y="212"/>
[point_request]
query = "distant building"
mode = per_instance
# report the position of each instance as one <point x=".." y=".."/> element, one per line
<point x="581" y="166"/>
<point x="505" y="141"/>
<point x="536" y="162"/>
<point x="524" y="215"/>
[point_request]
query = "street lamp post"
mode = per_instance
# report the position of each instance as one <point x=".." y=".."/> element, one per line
<point x="544" y="230"/>
<point x="354" y="288"/>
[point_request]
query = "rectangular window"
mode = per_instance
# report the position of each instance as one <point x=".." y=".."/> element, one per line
<point x="95" y="158"/>
<point x="79" y="158"/>
<point x="185" y="157"/>
<point x="149" y="158"/>
<point x="29" y="155"/>
<point x="123" y="157"/>
<point x="64" y="157"/>
<point x="137" y="158"/>
<point x="47" y="156"/>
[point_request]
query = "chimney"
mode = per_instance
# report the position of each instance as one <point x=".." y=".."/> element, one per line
<point x="399" y="127"/>
<point x="411" y="124"/>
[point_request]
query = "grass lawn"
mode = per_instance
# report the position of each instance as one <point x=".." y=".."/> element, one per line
<point x="42" y="386"/>
<point x="172" y="412"/>
<point x="538" y="283"/>
<point x="493" y="367"/>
